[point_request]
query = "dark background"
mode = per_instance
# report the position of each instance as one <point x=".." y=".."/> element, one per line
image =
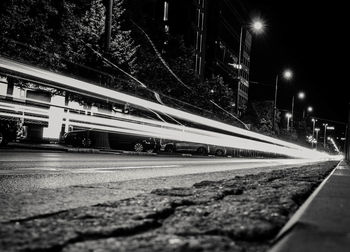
<point x="309" y="38"/>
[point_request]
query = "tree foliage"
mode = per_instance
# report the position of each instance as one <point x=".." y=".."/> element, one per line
<point x="57" y="34"/>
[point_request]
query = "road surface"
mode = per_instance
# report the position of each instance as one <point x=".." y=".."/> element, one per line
<point x="37" y="182"/>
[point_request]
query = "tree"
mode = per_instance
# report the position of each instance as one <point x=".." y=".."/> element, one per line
<point x="57" y="35"/>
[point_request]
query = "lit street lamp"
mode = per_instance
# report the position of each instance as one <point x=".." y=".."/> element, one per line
<point x="316" y="131"/>
<point x="309" y="109"/>
<point x="288" y="115"/>
<point x="287" y="74"/>
<point x="325" y="133"/>
<point x="301" y="96"/>
<point x="326" y="127"/>
<point x="313" y="130"/>
<point x="257" y="26"/>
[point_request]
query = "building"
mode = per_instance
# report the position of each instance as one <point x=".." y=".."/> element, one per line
<point x="215" y="29"/>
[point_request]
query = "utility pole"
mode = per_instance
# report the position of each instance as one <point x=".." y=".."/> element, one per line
<point x="108" y="24"/>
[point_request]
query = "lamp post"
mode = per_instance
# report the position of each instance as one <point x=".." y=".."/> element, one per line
<point x="301" y="96"/>
<point x="288" y="115"/>
<point x="287" y="74"/>
<point x="325" y="133"/>
<point x="316" y="131"/>
<point x="313" y="130"/>
<point x="257" y="26"/>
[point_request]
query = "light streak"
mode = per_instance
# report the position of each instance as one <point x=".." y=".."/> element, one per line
<point x="200" y="136"/>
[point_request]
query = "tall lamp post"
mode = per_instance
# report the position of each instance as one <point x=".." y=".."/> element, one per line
<point x="309" y="109"/>
<point x="316" y="131"/>
<point x="301" y="96"/>
<point x="257" y="26"/>
<point x="313" y="130"/>
<point x="288" y="115"/>
<point x="287" y="74"/>
<point x="325" y="133"/>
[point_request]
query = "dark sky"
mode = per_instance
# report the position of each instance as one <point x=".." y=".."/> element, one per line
<point x="309" y="38"/>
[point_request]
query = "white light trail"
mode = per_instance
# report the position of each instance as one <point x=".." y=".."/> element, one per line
<point x="91" y="90"/>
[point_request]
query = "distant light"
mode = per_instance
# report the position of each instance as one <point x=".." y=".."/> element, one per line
<point x="236" y="66"/>
<point x="287" y="74"/>
<point x="301" y="95"/>
<point x="310" y="109"/>
<point x="314" y="120"/>
<point x="330" y="128"/>
<point x="317" y="129"/>
<point x="288" y="115"/>
<point x="257" y="26"/>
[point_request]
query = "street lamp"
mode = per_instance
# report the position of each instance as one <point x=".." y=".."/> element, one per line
<point x="309" y="109"/>
<point x="288" y="115"/>
<point x="316" y="131"/>
<point x="257" y="26"/>
<point x="301" y="96"/>
<point x="325" y="133"/>
<point x="313" y="130"/>
<point x="287" y="74"/>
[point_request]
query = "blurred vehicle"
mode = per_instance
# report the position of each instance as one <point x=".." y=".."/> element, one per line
<point x="186" y="147"/>
<point x="8" y="130"/>
<point x="113" y="140"/>
<point x="217" y="150"/>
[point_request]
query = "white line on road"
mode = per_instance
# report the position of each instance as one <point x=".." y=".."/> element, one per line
<point x="111" y="169"/>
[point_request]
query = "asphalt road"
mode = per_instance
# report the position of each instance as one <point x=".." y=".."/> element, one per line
<point x="28" y="171"/>
<point x="36" y="182"/>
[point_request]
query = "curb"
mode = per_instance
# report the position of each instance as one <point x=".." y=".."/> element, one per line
<point x="38" y="147"/>
<point x="133" y="153"/>
<point x="82" y="150"/>
<point x="78" y="150"/>
<point x="294" y="225"/>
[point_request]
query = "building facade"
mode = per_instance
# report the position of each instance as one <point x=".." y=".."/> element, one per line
<point x="218" y="33"/>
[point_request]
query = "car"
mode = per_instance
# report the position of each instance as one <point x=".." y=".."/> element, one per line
<point x="113" y="140"/>
<point x="186" y="147"/>
<point x="217" y="150"/>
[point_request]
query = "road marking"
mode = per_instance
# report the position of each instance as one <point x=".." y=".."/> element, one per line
<point x="112" y="169"/>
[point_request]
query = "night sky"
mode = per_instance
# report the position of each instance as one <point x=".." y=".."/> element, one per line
<point x="310" y="40"/>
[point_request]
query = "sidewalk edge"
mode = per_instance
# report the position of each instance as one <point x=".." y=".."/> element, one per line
<point x="288" y="227"/>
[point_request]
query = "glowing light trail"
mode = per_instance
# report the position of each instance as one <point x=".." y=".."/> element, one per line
<point x="200" y="136"/>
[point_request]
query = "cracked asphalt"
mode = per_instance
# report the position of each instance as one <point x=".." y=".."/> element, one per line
<point x="241" y="213"/>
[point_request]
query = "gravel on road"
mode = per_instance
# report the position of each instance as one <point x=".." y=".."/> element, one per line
<point x="242" y="213"/>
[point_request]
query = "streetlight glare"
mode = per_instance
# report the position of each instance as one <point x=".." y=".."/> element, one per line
<point x="288" y="74"/>
<point x="257" y="26"/>
<point x="310" y="109"/>
<point x="288" y="115"/>
<point x="301" y="95"/>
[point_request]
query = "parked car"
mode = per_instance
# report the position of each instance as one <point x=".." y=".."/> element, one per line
<point x="8" y="131"/>
<point x="113" y="140"/>
<point x="186" y="147"/>
<point x="217" y="150"/>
